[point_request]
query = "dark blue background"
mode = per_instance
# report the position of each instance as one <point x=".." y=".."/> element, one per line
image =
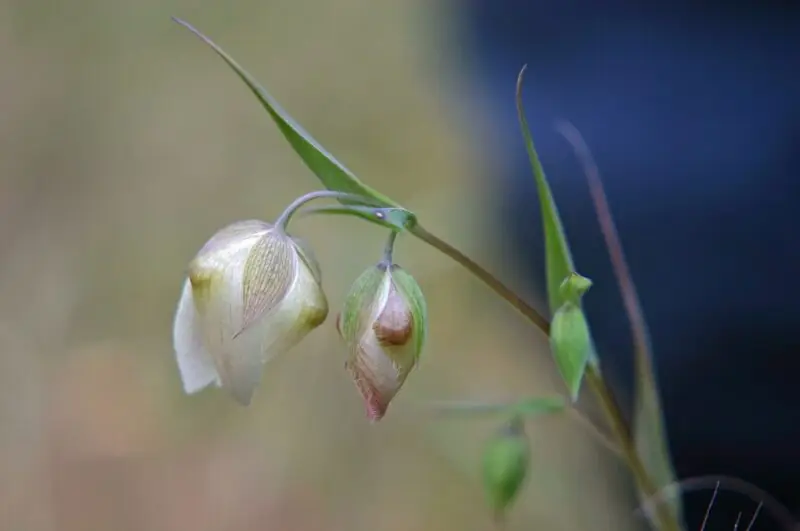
<point x="692" y="112"/>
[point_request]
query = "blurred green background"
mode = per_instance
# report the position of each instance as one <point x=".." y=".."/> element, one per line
<point x="124" y="144"/>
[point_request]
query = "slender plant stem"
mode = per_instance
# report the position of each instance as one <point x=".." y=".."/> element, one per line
<point x="388" y="251"/>
<point x="622" y="431"/>
<point x="595" y="381"/>
<point x="487" y="278"/>
<point x="286" y="215"/>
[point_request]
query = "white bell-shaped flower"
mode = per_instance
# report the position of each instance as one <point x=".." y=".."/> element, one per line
<point x="252" y="293"/>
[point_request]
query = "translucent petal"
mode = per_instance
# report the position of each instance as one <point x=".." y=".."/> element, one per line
<point x="308" y="256"/>
<point x="194" y="363"/>
<point x="240" y="331"/>
<point x="269" y="271"/>
<point x="276" y="332"/>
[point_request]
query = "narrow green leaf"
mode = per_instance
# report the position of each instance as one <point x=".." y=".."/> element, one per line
<point x="333" y="174"/>
<point x="397" y="219"/>
<point x="558" y="258"/>
<point x="651" y="441"/>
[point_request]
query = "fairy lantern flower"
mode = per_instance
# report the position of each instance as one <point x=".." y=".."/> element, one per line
<point x="252" y="293"/>
<point x="384" y="325"/>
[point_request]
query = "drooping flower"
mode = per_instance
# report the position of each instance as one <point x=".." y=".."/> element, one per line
<point x="252" y="293"/>
<point x="384" y="325"/>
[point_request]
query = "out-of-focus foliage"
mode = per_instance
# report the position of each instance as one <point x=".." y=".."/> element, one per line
<point x="123" y="147"/>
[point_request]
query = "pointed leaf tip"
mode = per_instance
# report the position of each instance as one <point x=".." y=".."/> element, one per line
<point x="333" y="174"/>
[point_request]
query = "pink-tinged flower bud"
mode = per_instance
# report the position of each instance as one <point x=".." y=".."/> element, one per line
<point x="384" y="324"/>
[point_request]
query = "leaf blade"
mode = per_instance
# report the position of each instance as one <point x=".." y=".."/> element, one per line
<point x="558" y="258"/>
<point x="333" y="174"/>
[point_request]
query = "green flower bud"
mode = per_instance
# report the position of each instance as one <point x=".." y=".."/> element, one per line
<point x="252" y="293"/>
<point x="574" y="287"/>
<point x="506" y="459"/>
<point x="384" y="325"/>
<point x="570" y="342"/>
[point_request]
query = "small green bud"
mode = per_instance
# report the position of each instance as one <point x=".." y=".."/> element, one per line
<point x="384" y="325"/>
<point x="506" y="459"/>
<point x="570" y="342"/>
<point x="574" y="286"/>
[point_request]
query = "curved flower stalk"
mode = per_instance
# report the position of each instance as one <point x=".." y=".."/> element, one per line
<point x="252" y="293"/>
<point x="384" y="324"/>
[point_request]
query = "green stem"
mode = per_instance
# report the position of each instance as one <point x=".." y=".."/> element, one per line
<point x="388" y="251"/>
<point x="623" y="433"/>
<point x="294" y="206"/>
<point x="487" y="278"/>
<point x="596" y="383"/>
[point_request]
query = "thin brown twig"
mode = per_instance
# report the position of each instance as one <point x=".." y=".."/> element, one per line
<point x="641" y="340"/>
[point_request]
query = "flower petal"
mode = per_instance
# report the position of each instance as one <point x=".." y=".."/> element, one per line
<point x="253" y="305"/>
<point x="363" y="304"/>
<point x="375" y="375"/>
<point x="194" y="362"/>
<point x="269" y="272"/>
<point x="412" y="293"/>
<point x="216" y="275"/>
<point x="308" y="256"/>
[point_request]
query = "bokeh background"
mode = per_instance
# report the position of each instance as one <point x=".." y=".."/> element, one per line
<point x="124" y="144"/>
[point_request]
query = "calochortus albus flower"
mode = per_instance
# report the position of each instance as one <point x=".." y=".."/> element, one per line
<point x="252" y="293"/>
<point x="384" y="325"/>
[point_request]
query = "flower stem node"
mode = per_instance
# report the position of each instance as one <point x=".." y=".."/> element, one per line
<point x="252" y="293"/>
<point x="384" y="325"/>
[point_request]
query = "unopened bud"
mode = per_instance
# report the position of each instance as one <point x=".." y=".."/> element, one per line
<point x="384" y="325"/>
<point x="506" y="459"/>
<point x="574" y="286"/>
<point x="571" y="345"/>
